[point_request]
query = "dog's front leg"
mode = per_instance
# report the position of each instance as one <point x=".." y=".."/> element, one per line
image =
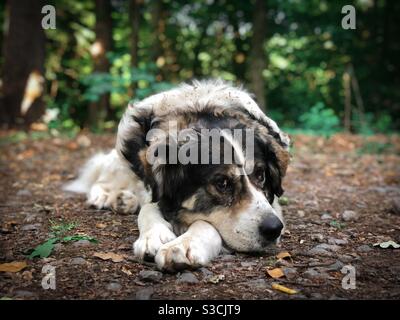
<point x="195" y="248"/>
<point x="154" y="231"/>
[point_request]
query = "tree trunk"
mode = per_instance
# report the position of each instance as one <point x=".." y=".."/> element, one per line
<point x="347" y="100"/>
<point x="134" y="17"/>
<point x="23" y="68"/>
<point x="257" y="56"/>
<point x="101" y="109"/>
<point x="134" y="14"/>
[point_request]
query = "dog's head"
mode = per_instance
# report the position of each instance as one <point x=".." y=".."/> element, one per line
<point x="211" y="156"/>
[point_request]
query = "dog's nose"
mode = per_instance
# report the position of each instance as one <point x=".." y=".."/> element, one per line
<point x="270" y="228"/>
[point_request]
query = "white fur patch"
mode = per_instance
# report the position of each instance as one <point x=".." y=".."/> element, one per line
<point x="154" y="231"/>
<point x="195" y="248"/>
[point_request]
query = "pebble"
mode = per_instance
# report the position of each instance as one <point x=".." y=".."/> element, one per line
<point x="31" y="227"/>
<point x="364" y="248"/>
<point x="150" y="276"/>
<point x="145" y="293"/>
<point x="337" y="266"/>
<point x="329" y="247"/>
<point x="301" y="213"/>
<point x="78" y="261"/>
<point x="319" y="252"/>
<point x="114" y="286"/>
<point x="290" y="273"/>
<point x="257" y="283"/>
<point x="81" y="243"/>
<point x="396" y="206"/>
<point x="187" y="277"/>
<point x="346" y="258"/>
<point x="227" y="257"/>
<point x="312" y="273"/>
<point x="25" y="294"/>
<point x="349" y="215"/>
<point x="326" y="216"/>
<point x="317" y="237"/>
<point x="206" y="272"/>
<point x="247" y="264"/>
<point x="337" y="241"/>
<point x="24" y="193"/>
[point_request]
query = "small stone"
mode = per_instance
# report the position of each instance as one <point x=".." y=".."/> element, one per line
<point x="150" y="276"/>
<point x="326" y="216"/>
<point x="317" y="237"/>
<point x="24" y="193"/>
<point x="206" y="272"/>
<point x="187" y="277"/>
<point x="227" y="257"/>
<point x="337" y="266"/>
<point x="349" y="215"/>
<point x="345" y="258"/>
<point x="114" y="286"/>
<point x="329" y="247"/>
<point x="145" y="293"/>
<point x="312" y="273"/>
<point x="364" y="248"/>
<point x="337" y="241"/>
<point x="30" y="217"/>
<point x="78" y="261"/>
<point x="290" y="273"/>
<point x="396" y="206"/>
<point x="319" y="252"/>
<point x="25" y="294"/>
<point x="81" y="243"/>
<point x="31" y="227"/>
<point x="247" y="264"/>
<point x="257" y="284"/>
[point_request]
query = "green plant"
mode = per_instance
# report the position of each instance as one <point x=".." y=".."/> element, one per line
<point x="320" y="119"/>
<point x="58" y="233"/>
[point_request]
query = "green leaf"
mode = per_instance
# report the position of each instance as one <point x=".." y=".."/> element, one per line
<point x="77" y="238"/>
<point x="44" y="250"/>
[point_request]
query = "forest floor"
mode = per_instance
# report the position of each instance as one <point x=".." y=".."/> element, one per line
<point x="342" y="196"/>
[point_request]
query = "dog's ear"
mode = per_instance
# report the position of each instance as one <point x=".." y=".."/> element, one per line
<point x="276" y="158"/>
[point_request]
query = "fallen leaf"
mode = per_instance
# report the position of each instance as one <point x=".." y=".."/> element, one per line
<point x="387" y="244"/>
<point x="275" y="273"/>
<point x="283" y="289"/>
<point x="14" y="266"/>
<point x="101" y="225"/>
<point x="126" y="271"/>
<point x="217" y="278"/>
<point x="109" y="256"/>
<point x="284" y="255"/>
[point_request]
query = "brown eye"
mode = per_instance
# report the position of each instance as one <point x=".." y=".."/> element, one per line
<point x="260" y="176"/>
<point x="223" y="184"/>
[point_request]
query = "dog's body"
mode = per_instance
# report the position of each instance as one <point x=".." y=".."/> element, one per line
<point x="189" y="209"/>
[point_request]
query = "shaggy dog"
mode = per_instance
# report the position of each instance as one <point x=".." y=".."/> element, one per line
<point x="203" y="166"/>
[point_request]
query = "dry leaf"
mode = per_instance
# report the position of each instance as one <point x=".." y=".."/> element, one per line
<point x="283" y="289"/>
<point x="101" y="225"/>
<point x="109" y="256"/>
<point x="387" y="244"/>
<point x="217" y="278"/>
<point x="14" y="266"/>
<point x="126" y="271"/>
<point x="275" y="273"/>
<point x="284" y="255"/>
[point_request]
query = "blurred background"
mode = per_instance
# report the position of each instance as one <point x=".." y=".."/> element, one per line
<point x="306" y="71"/>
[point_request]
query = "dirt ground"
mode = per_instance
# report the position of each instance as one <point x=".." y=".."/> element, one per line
<point x="342" y="196"/>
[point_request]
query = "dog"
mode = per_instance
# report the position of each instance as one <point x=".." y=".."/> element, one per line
<point x="189" y="210"/>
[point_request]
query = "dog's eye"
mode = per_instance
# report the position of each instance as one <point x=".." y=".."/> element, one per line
<point x="260" y="176"/>
<point x="223" y="184"/>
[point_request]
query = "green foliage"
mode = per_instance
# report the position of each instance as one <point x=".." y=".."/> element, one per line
<point x="320" y="119"/>
<point x="58" y="233"/>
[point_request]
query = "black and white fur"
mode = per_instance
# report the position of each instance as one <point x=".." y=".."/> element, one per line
<point x="184" y="218"/>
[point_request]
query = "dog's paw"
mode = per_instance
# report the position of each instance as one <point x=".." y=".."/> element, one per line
<point x="148" y="243"/>
<point x="121" y="201"/>
<point x="182" y="253"/>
